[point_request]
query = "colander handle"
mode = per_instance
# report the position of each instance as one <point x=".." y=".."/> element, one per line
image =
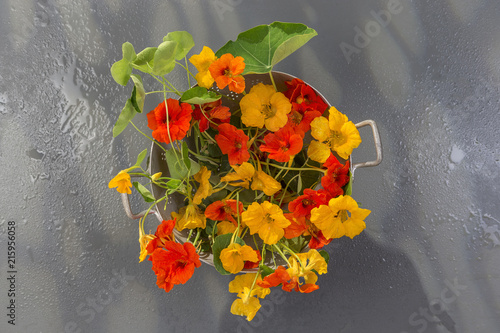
<point x="376" y="140"/>
<point x="128" y="209"/>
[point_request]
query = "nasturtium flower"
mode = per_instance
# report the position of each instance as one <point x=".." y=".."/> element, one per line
<point x="289" y="282"/>
<point x="205" y="189"/>
<point x="311" y="260"/>
<point x="298" y="226"/>
<point x="156" y="176"/>
<point x="263" y="106"/>
<point x="282" y="145"/>
<point x="174" y="264"/>
<point x="234" y="256"/>
<point x="163" y="234"/>
<point x="177" y="124"/>
<point x="122" y="182"/>
<point x="303" y="97"/>
<point x="248" y="302"/>
<point x="303" y="204"/>
<point x="144" y="240"/>
<point x="211" y="114"/>
<point x="336" y="176"/>
<point x="242" y="284"/>
<point x="202" y="63"/>
<point x="248" y="308"/>
<point x="224" y="210"/>
<point x="227" y="71"/>
<point x="241" y="177"/>
<point x="261" y="181"/>
<point x="225" y="227"/>
<point x="233" y="142"/>
<point x="267" y="220"/>
<point x="189" y="217"/>
<point x="341" y="217"/>
<point x="334" y="134"/>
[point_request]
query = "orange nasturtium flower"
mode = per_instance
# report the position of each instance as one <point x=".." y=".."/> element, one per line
<point x="267" y="220"/>
<point x="122" y="182"/>
<point x="263" y="106"/>
<point x="234" y="256"/>
<point x="227" y="70"/>
<point x="341" y="217"/>
<point x="189" y="217"/>
<point x="233" y="142"/>
<point x="179" y="118"/>
<point x="336" y="133"/>
<point x="205" y="188"/>
<point x="202" y="62"/>
<point x="224" y="210"/>
<point x="174" y="264"/>
<point x="282" y="145"/>
<point x="248" y="302"/>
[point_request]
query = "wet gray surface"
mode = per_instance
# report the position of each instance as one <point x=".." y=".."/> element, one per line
<point x="429" y="75"/>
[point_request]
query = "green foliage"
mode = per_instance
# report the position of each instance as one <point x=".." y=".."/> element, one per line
<point x="184" y="42"/>
<point x="325" y="255"/>
<point x="264" y="46"/>
<point x="122" y="69"/>
<point x="199" y="95"/>
<point x="141" y="157"/>
<point x="148" y="197"/>
<point x="220" y="243"/>
<point x="177" y="166"/>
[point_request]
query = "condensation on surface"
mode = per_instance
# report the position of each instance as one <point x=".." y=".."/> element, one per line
<point x="429" y="79"/>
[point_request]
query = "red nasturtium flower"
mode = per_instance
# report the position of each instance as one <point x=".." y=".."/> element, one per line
<point x="179" y="117"/>
<point x="318" y="240"/>
<point x="303" y="205"/>
<point x="303" y="97"/>
<point x="224" y="210"/>
<point x="282" y="144"/>
<point x="211" y="114"/>
<point x="163" y="234"/>
<point x="337" y="175"/>
<point x="227" y="70"/>
<point x="174" y="264"/>
<point x="233" y="142"/>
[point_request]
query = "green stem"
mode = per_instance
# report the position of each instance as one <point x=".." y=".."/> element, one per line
<point x="272" y="80"/>
<point x="282" y="255"/>
<point x="153" y="140"/>
<point x="293" y="169"/>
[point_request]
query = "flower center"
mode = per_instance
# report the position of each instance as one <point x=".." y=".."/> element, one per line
<point x="268" y="110"/>
<point x="296" y="117"/>
<point x="337" y="139"/>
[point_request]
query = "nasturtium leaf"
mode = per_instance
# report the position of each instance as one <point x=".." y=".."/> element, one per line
<point x="220" y="243"/>
<point x="128" y="52"/>
<point x="147" y="196"/>
<point x="199" y="95"/>
<point x="177" y="167"/>
<point x="122" y="69"/>
<point x="140" y="94"/>
<point x="164" y="59"/>
<point x="173" y="184"/>
<point x="184" y="41"/>
<point x="128" y="113"/>
<point x="325" y="255"/>
<point x="265" y="270"/>
<point x="264" y="46"/>
<point x="144" y="60"/>
<point x="141" y="157"/>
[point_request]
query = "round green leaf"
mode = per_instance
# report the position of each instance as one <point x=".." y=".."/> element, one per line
<point x="184" y="41"/>
<point x="199" y="95"/>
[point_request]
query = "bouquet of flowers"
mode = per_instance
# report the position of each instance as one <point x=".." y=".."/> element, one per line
<point x="262" y="169"/>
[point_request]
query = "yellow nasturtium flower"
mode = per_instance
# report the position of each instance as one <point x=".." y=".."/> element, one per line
<point x="267" y="220"/>
<point x="336" y="133"/>
<point x="205" y="188"/>
<point x="234" y="256"/>
<point x="122" y="182"/>
<point x="341" y="217"/>
<point x="246" y="172"/>
<point x="202" y="62"/>
<point x="225" y="227"/>
<point x="309" y="261"/>
<point x="143" y="241"/>
<point x="263" y="106"/>
<point x="248" y="302"/>
<point x="189" y="217"/>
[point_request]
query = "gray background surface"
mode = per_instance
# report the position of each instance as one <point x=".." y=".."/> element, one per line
<point x="428" y="75"/>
